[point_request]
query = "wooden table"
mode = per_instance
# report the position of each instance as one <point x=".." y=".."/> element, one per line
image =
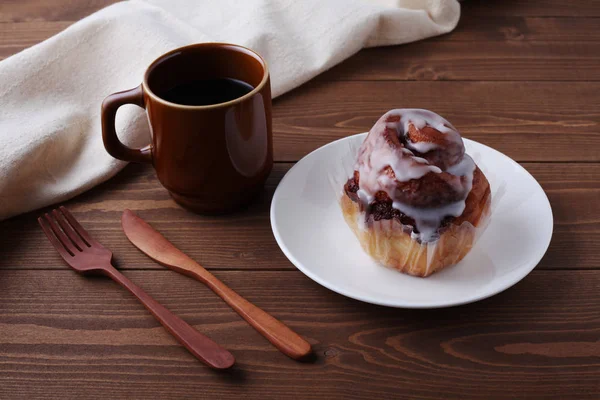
<point x="522" y="76"/>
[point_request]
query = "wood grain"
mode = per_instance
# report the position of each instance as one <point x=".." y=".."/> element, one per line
<point x="15" y="37"/>
<point x="537" y="8"/>
<point x="86" y="338"/>
<point x="43" y="10"/>
<point x="485" y="28"/>
<point x="245" y="241"/>
<point x="475" y="61"/>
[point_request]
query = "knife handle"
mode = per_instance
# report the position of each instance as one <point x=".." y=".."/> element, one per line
<point x="282" y="337"/>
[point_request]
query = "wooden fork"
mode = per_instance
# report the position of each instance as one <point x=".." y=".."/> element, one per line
<point x="86" y="255"/>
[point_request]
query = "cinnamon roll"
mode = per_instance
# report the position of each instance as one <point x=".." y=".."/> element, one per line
<point x="415" y="198"/>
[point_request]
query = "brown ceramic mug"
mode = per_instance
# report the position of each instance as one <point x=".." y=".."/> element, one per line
<point x="211" y="158"/>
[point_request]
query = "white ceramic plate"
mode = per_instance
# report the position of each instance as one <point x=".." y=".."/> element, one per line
<point x="309" y="227"/>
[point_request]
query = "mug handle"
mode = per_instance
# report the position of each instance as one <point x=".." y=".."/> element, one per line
<point x="112" y="144"/>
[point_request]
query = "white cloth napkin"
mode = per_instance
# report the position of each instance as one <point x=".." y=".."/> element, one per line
<point x="50" y="94"/>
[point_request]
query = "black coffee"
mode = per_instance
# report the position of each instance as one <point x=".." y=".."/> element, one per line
<point x="206" y="92"/>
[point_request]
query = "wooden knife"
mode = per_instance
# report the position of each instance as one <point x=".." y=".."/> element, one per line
<point x="158" y="248"/>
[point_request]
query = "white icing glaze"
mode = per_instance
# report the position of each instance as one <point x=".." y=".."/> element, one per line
<point x="365" y="197"/>
<point x="466" y="168"/>
<point x="421" y="118"/>
<point x="422" y="147"/>
<point x="376" y="154"/>
<point x="428" y="220"/>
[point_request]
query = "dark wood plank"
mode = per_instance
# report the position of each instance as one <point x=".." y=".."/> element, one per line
<point x="43" y="10"/>
<point x="573" y="191"/>
<point x="15" y="37"/>
<point x="537" y="8"/>
<point x="475" y="61"/>
<point x="485" y="28"/>
<point x="245" y="241"/>
<point x="513" y="117"/>
<point x="68" y="336"/>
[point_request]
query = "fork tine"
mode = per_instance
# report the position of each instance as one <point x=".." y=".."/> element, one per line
<point x="60" y="235"/>
<point x="52" y="238"/>
<point x="68" y="230"/>
<point x="78" y="228"/>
